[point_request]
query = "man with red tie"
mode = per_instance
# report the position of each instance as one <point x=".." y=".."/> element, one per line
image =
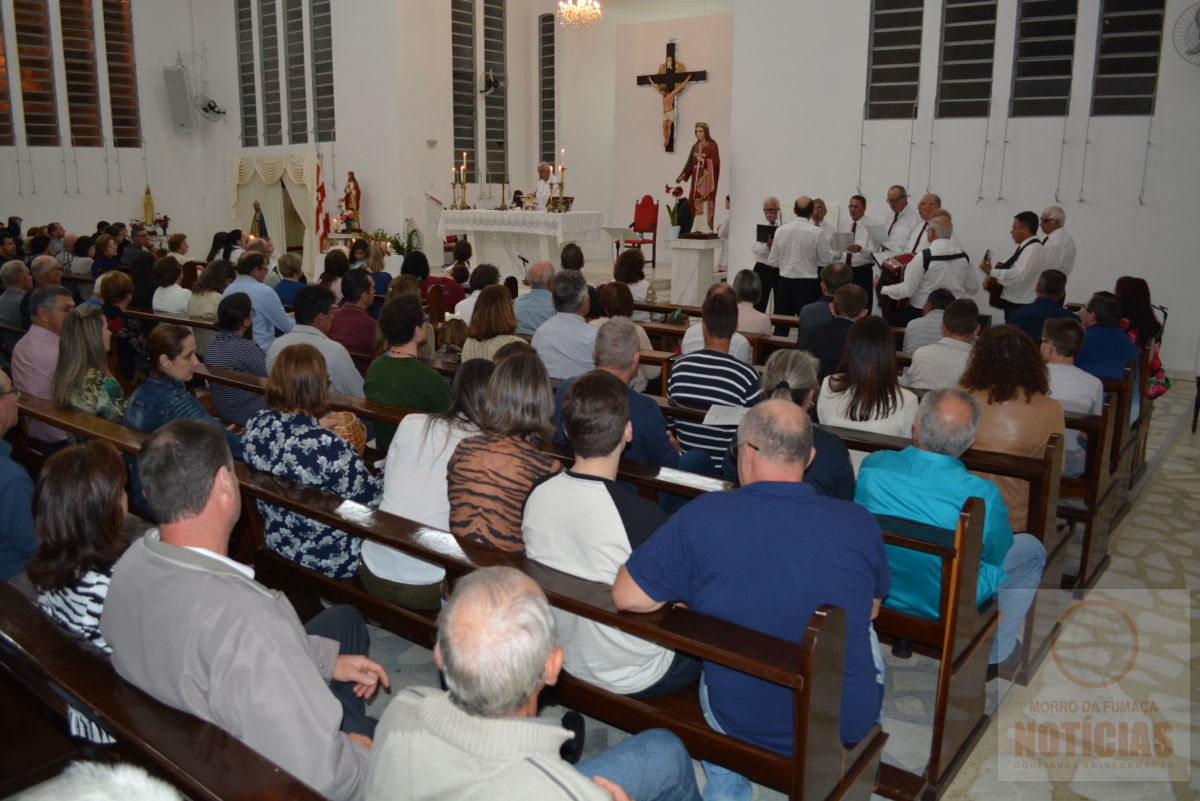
<point x="926" y="208"/>
<point x="903" y="221"/>
<point x="858" y="254"/>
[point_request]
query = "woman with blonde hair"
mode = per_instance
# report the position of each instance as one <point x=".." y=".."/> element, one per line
<point x="493" y="324"/>
<point x="375" y="264"/>
<point x="290" y="438"/>
<point x="81" y="379"/>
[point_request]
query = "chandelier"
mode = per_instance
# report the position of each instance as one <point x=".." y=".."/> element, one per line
<point x="578" y="16"/>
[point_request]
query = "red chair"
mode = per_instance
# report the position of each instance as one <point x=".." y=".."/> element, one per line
<point x="645" y="229"/>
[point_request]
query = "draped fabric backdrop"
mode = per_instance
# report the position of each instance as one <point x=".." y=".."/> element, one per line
<point x="265" y="179"/>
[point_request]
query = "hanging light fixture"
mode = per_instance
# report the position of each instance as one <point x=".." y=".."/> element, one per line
<point x="578" y="16"/>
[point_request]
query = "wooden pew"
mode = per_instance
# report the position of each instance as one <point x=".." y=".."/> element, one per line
<point x="960" y="639"/>
<point x="1097" y="494"/>
<point x="818" y="768"/>
<point x="649" y="478"/>
<point x="670" y="310"/>
<point x="1042" y="473"/>
<point x="51" y="669"/>
<point x="1124" y="442"/>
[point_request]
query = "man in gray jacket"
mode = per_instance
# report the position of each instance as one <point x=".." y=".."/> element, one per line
<point x="192" y="628"/>
<point x="483" y="739"/>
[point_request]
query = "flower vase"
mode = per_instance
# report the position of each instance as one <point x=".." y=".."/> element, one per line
<point x="673" y="231"/>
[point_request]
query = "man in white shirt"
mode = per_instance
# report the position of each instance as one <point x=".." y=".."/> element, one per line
<point x="903" y="220"/>
<point x="942" y="265"/>
<point x="1058" y="247"/>
<point x="799" y="251"/>
<point x="858" y="254"/>
<point x="768" y="275"/>
<point x="1019" y="274"/>
<point x="314" y="318"/>
<point x="1077" y="390"/>
<point x="542" y="192"/>
<point x="941" y="364"/>
<point x="926" y="208"/>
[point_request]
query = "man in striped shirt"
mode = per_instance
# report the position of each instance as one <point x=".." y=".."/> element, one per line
<point x="711" y="377"/>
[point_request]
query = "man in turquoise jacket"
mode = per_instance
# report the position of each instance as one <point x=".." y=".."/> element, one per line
<point x="927" y="483"/>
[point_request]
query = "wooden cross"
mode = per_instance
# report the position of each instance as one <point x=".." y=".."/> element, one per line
<point x="670" y="82"/>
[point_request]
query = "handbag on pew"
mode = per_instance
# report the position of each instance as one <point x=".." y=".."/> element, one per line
<point x="347" y="426"/>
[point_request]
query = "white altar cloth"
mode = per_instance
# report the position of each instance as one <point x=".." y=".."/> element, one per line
<point x="501" y="237"/>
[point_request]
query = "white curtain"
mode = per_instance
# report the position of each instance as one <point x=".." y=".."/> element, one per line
<point x="271" y="176"/>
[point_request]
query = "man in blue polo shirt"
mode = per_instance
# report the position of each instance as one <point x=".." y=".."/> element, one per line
<point x="1106" y="347"/>
<point x="927" y="483"/>
<point x="766" y="556"/>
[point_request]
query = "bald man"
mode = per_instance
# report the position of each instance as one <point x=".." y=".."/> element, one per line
<point x="799" y="251"/>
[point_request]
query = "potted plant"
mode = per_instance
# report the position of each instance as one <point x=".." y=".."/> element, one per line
<point x="677" y="212"/>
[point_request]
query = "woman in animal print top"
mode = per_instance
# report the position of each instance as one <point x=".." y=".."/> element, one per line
<point x="490" y="476"/>
<point x="79" y="506"/>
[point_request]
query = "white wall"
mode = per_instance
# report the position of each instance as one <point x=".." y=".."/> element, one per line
<point x="799" y="83"/>
<point x="187" y="169"/>
<point x="642" y="166"/>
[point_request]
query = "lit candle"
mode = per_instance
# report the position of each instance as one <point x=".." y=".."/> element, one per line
<point x="562" y="158"/>
<point x="464" y="174"/>
<point x="453" y="175"/>
<point x="464" y="164"/>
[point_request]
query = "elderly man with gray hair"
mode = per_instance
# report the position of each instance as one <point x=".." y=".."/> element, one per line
<point x="565" y="341"/>
<point x="928" y="483"/>
<point x="482" y="739"/>
<point x="35" y="357"/>
<point x="537" y="305"/>
<point x="942" y="265"/>
<point x="46" y="272"/>
<point x="17" y="282"/>
<point x="1058" y="248"/>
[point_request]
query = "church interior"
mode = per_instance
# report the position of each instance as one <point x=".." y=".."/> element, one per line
<point x="284" y="115"/>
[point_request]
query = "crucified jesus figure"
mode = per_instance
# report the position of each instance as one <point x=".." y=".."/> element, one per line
<point x="670" y="109"/>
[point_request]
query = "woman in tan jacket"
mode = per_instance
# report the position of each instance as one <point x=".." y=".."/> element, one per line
<point x="1007" y="376"/>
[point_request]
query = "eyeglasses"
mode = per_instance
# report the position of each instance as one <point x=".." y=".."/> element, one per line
<point x="16" y="393"/>
<point x="895" y="199"/>
<point x="749" y="445"/>
<point x="1046" y="219"/>
<point x="774" y="208"/>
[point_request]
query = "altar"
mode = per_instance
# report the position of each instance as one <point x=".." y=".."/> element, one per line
<point x="502" y="237"/>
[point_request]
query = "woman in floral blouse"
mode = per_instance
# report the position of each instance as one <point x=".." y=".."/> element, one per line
<point x="289" y="439"/>
<point x="81" y="379"/>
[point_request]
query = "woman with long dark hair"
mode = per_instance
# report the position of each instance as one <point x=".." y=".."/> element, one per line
<point x="490" y="476"/>
<point x="1008" y="377"/>
<point x="1143" y="328"/>
<point x="80" y="506"/>
<point x="414" y="485"/>
<point x="865" y="392"/>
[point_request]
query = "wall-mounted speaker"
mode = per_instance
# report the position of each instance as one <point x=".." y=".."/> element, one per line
<point x="179" y="96"/>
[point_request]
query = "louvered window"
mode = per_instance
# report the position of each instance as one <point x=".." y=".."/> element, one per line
<point x="321" y="23"/>
<point x="79" y="60"/>
<point x="968" y="43"/>
<point x="1127" y="57"/>
<point x="6" y="123"/>
<point x="546" y="88"/>
<point x="462" y="78"/>
<point x="297" y="94"/>
<point x="495" y="103"/>
<point x="268" y="50"/>
<point x="37" y="72"/>
<point x="122" y="73"/>
<point x="248" y="91"/>
<point x="893" y="75"/>
<point x="1045" y="48"/>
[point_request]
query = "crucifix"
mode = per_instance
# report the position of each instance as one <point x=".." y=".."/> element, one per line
<point x="670" y="80"/>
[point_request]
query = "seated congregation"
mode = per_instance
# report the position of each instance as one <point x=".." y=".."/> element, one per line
<point x="537" y="439"/>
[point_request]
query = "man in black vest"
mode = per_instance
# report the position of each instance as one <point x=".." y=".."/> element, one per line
<point x="1013" y="283"/>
